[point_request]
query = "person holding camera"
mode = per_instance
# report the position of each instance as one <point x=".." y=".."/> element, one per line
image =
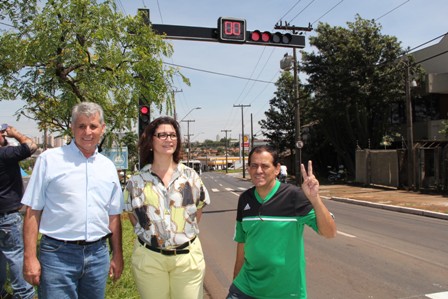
<point x="11" y="221"/>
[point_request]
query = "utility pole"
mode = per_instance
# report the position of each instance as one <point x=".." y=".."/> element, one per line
<point x="174" y="99"/>
<point x="188" y="121"/>
<point x="251" y="131"/>
<point x="242" y="136"/>
<point x="410" y="130"/>
<point x="227" y="163"/>
<point x="299" y="142"/>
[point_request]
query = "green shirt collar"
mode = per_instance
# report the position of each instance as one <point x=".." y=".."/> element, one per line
<point x="270" y="194"/>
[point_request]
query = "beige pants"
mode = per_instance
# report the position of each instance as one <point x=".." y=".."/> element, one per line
<point x="169" y="277"/>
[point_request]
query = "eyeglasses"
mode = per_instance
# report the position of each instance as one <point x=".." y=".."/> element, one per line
<point x="164" y="136"/>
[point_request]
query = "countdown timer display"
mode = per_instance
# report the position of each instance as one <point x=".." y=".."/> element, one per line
<point x="232" y="30"/>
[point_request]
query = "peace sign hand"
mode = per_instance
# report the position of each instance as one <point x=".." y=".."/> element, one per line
<point x="310" y="185"/>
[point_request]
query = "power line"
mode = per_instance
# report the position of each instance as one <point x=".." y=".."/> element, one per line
<point x="216" y="73"/>
<point x="427" y="42"/>
<point x="160" y="11"/>
<point x="118" y="2"/>
<point x="289" y="11"/>
<point x="312" y="1"/>
<point x="327" y="12"/>
<point x="395" y="8"/>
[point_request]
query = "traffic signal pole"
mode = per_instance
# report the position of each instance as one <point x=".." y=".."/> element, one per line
<point x="298" y="139"/>
<point x="228" y="30"/>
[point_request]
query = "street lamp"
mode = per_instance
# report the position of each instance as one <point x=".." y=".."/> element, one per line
<point x="195" y="108"/>
<point x="285" y="64"/>
<point x="409" y="127"/>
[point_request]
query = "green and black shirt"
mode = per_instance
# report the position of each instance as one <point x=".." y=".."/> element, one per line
<point x="272" y="230"/>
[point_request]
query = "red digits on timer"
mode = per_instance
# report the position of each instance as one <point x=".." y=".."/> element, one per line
<point x="232" y="28"/>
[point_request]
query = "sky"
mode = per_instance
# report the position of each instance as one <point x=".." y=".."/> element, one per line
<point x="224" y="75"/>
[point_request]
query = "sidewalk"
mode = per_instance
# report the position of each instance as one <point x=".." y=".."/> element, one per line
<point x="430" y="205"/>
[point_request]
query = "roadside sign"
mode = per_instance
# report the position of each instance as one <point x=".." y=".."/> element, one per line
<point x="118" y="155"/>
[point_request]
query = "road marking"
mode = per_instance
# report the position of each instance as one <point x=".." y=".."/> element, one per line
<point x="442" y="295"/>
<point x="345" y="234"/>
<point x="215" y="190"/>
<point x="229" y="189"/>
<point x="241" y="188"/>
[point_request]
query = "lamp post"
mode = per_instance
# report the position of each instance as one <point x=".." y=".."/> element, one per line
<point x="285" y="64"/>
<point x="410" y="129"/>
<point x="195" y="108"/>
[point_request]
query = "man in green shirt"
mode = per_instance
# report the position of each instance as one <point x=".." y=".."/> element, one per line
<point x="270" y="258"/>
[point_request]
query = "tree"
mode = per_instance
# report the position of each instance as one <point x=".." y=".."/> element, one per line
<point x="356" y="76"/>
<point x="279" y="125"/>
<point x="72" y="51"/>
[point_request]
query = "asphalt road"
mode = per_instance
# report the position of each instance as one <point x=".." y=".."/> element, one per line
<point x="377" y="253"/>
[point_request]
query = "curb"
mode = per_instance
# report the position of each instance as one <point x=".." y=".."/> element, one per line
<point x="390" y="207"/>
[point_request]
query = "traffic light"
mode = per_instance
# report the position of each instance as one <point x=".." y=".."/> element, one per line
<point x="143" y="118"/>
<point x="277" y="39"/>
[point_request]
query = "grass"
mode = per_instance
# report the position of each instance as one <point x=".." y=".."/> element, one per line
<point x="125" y="286"/>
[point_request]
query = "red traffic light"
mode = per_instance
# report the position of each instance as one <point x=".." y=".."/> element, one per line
<point x="258" y="36"/>
<point x="277" y="39"/>
<point x="144" y="110"/>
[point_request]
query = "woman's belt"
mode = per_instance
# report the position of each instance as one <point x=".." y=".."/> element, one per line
<point x="178" y="250"/>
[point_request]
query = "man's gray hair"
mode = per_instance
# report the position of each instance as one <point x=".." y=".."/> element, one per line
<point x="88" y="109"/>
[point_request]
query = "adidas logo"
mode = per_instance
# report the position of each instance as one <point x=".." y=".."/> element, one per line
<point x="247" y="207"/>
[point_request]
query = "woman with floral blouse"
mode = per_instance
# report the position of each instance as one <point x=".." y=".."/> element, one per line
<point x="165" y="201"/>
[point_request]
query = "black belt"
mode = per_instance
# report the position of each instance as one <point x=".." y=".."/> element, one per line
<point x="80" y="242"/>
<point x="178" y="250"/>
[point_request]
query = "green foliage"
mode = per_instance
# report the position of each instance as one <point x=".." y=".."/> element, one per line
<point x="444" y="128"/>
<point x="356" y="76"/>
<point x="83" y="50"/>
<point x="279" y="125"/>
<point x="125" y="286"/>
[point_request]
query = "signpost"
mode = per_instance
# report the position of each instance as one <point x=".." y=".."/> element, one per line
<point x="117" y="155"/>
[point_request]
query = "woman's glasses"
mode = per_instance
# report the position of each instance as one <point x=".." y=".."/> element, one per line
<point x="164" y="136"/>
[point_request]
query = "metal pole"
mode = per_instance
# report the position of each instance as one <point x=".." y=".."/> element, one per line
<point x="188" y="121"/>
<point x="298" y="155"/>
<point x="242" y="136"/>
<point x="227" y="163"/>
<point x="410" y="133"/>
<point x="196" y="108"/>
<point x="251" y="131"/>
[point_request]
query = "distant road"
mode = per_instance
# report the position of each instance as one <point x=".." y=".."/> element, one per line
<point x="377" y="253"/>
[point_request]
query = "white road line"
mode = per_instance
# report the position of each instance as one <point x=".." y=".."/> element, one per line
<point x="229" y="189"/>
<point x="345" y="234"/>
<point x="442" y="295"/>
<point x="241" y="188"/>
<point x="215" y="190"/>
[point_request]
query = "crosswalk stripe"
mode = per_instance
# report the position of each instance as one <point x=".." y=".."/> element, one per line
<point x="442" y="295"/>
